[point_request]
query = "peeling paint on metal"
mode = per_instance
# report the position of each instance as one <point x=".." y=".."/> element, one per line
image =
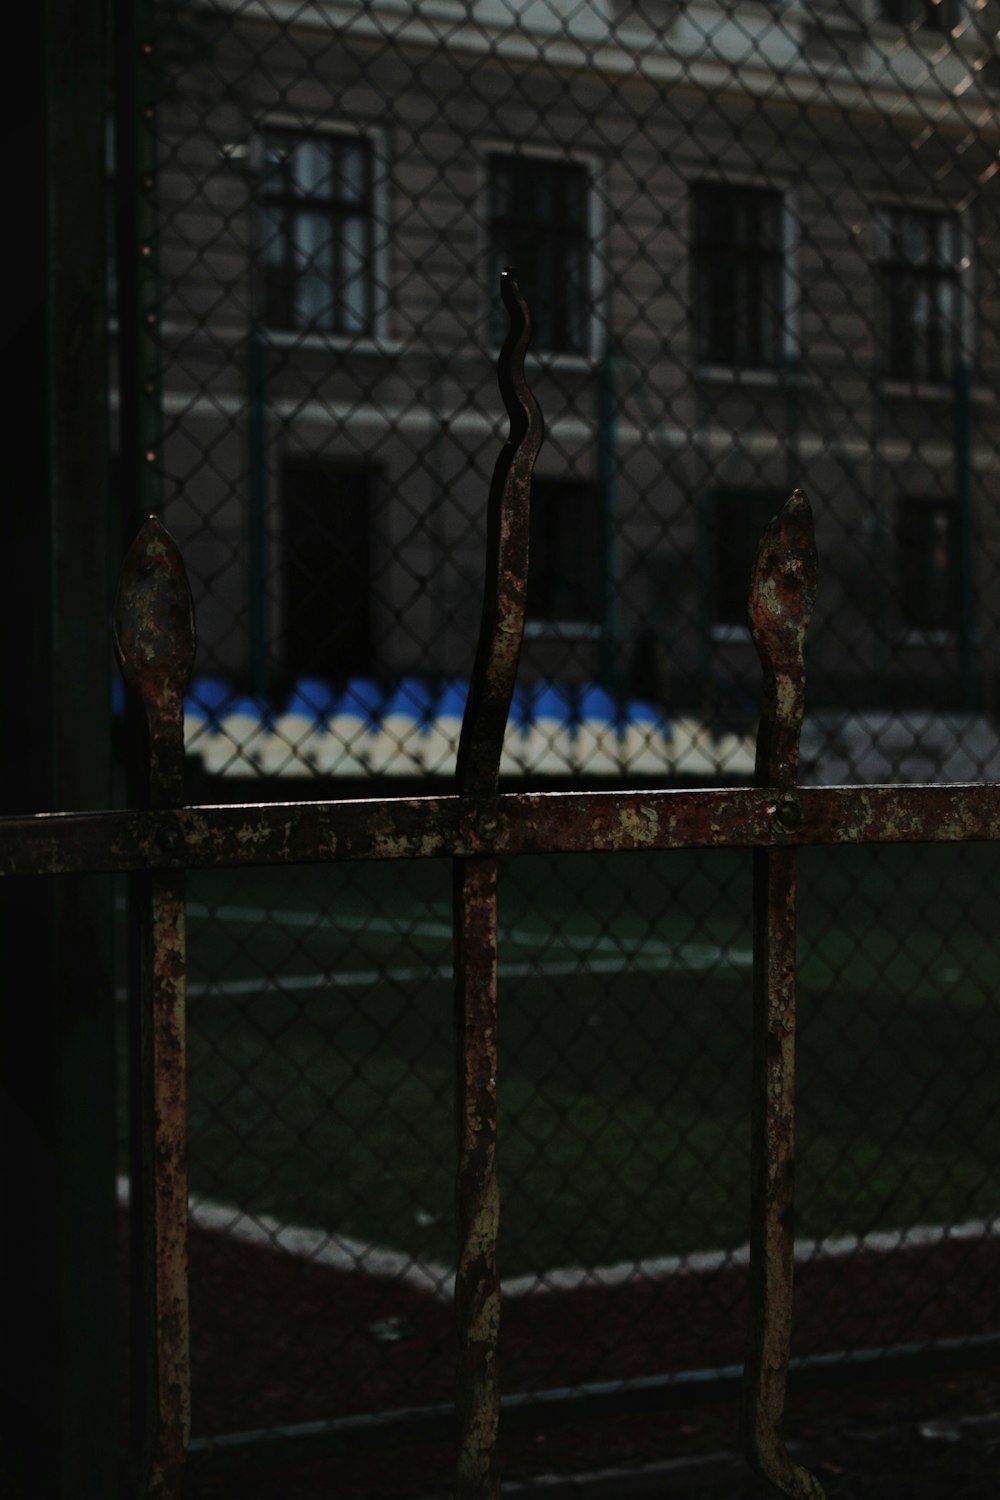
<point x="782" y="593"/>
<point x="491" y="688"/>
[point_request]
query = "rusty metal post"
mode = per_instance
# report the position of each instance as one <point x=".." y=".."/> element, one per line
<point x="155" y="642"/>
<point x="782" y="594"/>
<point x="477" y="1286"/>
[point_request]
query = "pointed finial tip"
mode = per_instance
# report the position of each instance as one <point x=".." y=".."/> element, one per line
<point x="154" y="632"/>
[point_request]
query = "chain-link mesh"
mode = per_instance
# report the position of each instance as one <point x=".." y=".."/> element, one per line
<point x="760" y="242"/>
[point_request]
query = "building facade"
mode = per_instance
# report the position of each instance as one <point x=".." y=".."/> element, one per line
<point x="760" y="243"/>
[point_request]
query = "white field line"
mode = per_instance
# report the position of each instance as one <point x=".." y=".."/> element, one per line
<point x="356" y="979"/>
<point x="688" y="959"/>
<point x="648" y="956"/>
<point x="424" y="927"/>
<point x="343" y="1253"/>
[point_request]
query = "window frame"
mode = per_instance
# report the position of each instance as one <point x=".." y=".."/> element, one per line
<point x="594" y="310"/>
<point x="950" y="13"/>
<point x="376" y="331"/>
<point x="914" y="632"/>
<point x="565" y="625"/>
<point x="786" y="314"/>
<point x="960" y="275"/>
<point x="769" y="500"/>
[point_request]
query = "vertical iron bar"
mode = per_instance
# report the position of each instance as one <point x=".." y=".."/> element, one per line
<point x="154" y="639"/>
<point x="138" y="386"/>
<point x="79" y="959"/>
<point x="258" y="643"/>
<point x="477" y="1287"/>
<point x="967" y="634"/>
<point x="782" y="594"/>
<point x="57" y="1155"/>
<point x="607" y="480"/>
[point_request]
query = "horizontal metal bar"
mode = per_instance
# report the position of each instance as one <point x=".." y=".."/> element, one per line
<point x="285" y="833"/>
<point x="526" y="1409"/>
<point x="204" y="837"/>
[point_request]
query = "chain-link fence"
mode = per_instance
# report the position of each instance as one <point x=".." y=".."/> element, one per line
<point x="760" y="242"/>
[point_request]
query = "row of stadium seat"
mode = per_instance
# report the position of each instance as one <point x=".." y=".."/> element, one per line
<point x="411" y="727"/>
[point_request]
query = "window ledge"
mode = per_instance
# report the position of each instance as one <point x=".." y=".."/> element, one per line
<point x="561" y="630"/>
<point x="740" y="376"/>
<point x="540" y="360"/>
<point x="928" y="390"/>
<point x="925" y="37"/>
<point x="928" y="639"/>
<point x="339" y="343"/>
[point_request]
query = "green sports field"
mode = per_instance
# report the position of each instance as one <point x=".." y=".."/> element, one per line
<point x="321" y="1050"/>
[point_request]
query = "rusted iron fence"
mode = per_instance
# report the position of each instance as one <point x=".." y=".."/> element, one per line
<point x="473" y="827"/>
<point x="764" y="238"/>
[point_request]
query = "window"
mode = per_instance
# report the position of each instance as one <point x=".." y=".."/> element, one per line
<point x="316" y="226"/>
<point x="327" y="582"/>
<point x="565" y="551"/>
<point x="921" y="260"/>
<point x="740" y="519"/>
<point x="540" y="223"/>
<point x="928" y="558"/>
<point x="739" y="276"/>
<point x="935" y="15"/>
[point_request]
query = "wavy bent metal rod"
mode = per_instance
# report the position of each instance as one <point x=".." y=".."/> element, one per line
<point x="477" y="1287"/>
<point x="782" y="594"/>
<point x="154" y="639"/>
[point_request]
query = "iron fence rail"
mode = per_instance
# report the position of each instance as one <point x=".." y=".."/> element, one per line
<point x="234" y="835"/>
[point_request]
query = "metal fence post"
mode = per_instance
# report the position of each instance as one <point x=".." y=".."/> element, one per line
<point x="58" y="1398"/>
<point x="477" y="1286"/>
<point x="783" y="591"/>
<point x="155" y="642"/>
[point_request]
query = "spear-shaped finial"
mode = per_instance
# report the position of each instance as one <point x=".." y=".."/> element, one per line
<point x="505" y="590"/>
<point x="154" y="638"/>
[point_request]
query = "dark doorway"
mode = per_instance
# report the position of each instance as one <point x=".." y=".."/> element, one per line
<point x="327" y="523"/>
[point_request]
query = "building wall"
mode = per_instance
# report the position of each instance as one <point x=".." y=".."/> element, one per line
<point x="750" y="98"/>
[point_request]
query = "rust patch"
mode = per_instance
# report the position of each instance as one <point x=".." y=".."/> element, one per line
<point x="154" y="639"/>
<point x="271" y="833"/>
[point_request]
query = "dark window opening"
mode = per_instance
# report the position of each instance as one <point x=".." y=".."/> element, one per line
<point x="921" y="260"/>
<point x="326" y="512"/>
<point x="740" y="520"/>
<point x="935" y="15"/>
<point x="739" y="272"/>
<point x="564" y="570"/>
<point x="927" y="536"/>
<point x="539" y="223"/>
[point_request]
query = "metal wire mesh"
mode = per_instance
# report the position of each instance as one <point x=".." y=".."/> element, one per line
<point x="761" y="244"/>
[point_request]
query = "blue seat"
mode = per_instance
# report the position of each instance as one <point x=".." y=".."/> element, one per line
<point x="312" y="696"/>
<point x="362" y="699"/>
<point x="594" y="704"/>
<point x="451" y="700"/>
<point x="411" y="696"/>
<point x="397" y="742"/>
<point x="207" y="698"/>
<point x="549" y="702"/>
<point x="548" y="729"/>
